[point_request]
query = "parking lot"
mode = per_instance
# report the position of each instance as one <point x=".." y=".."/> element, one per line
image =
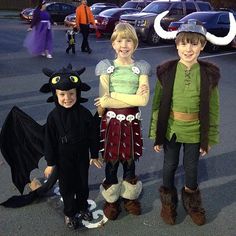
<point x="20" y="79"/>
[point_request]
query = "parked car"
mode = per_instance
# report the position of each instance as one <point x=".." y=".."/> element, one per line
<point x="57" y="10"/>
<point x="96" y="8"/>
<point x="215" y="22"/>
<point x="107" y="19"/>
<point x="136" y="4"/>
<point x="27" y="14"/>
<point x="143" y="22"/>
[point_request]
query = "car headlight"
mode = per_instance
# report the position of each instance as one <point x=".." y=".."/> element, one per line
<point x="141" y="23"/>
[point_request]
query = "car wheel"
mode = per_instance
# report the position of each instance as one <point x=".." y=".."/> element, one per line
<point x="212" y="48"/>
<point x="153" y="38"/>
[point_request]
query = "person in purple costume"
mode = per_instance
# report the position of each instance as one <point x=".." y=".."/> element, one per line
<point x="39" y="40"/>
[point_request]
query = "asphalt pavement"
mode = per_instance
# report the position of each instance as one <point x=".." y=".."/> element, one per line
<point x="20" y="78"/>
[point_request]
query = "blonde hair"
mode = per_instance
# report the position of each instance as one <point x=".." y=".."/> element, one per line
<point x="125" y="30"/>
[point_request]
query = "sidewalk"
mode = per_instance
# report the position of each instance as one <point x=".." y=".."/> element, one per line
<point x="9" y="14"/>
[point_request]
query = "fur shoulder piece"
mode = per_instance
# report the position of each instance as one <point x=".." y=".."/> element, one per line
<point x="211" y="69"/>
<point x="165" y="67"/>
<point x="105" y="66"/>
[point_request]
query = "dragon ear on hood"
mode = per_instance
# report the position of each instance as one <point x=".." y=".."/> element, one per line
<point x="84" y="87"/>
<point x="50" y="99"/>
<point x="45" y="88"/>
<point x="48" y="72"/>
<point x="81" y="71"/>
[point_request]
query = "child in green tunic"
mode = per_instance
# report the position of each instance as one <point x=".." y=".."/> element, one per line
<point x="185" y="112"/>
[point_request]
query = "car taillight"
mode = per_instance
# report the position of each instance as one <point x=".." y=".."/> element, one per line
<point x="172" y="28"/>
<point x="104" y="21"/>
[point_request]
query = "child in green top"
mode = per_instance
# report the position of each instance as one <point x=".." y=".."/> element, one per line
<point x="185" y="112"/>
<point x="123" y="88"/>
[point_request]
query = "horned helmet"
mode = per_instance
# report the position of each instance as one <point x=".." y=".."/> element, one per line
<point x="193" y="27"/>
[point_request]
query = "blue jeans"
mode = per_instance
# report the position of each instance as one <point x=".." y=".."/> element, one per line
<point x="171" y="161"/>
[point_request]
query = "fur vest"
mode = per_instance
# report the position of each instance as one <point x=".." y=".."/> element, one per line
<point x="210" y="76"/>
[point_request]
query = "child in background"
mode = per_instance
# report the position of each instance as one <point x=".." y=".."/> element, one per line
<point x="39" y="41"/>
<point x="185" y="112"/>
<point x="70" y="135"/>
<point x="124" y="87"/>
<point x="70" y="37"/>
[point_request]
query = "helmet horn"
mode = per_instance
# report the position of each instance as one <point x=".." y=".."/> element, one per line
<point x="160" y="31"/>
<point x="226" y="39"/>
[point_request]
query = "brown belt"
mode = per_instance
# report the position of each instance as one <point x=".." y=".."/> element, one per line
<point x="176" y="115"/>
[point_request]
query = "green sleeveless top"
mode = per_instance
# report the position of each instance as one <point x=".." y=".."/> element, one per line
<point x="123" y="78"/>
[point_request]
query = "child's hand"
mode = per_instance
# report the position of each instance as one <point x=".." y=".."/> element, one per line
<point x="142" y="90"/>
<point x="48" y="171"/>
<point x="97" y="102"/>
<point x="101" y="111"/>
<point x="157" y="148"/>
<point x="204" y="152"/>
<point x="96" y="162"/>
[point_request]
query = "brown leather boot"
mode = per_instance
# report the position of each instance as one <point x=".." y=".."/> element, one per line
<point x="192" y="203"/>
<point x="169" y="200"/>
<point x="130" y="191"/>
<point x="112" y="210"/>
<point x="111" y="194"/>
<point x="132" y="206"/>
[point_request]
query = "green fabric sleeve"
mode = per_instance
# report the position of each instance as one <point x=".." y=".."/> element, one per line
<point x="213" y="135"/>
<point x="155" y="109"/>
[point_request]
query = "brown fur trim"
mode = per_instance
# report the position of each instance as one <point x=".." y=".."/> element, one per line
<point x="164" y="67"/>
<point x="192" y="203"/>
<point x="132" y="206"/>
<point x="169" y="200"/>
<point x="212" y="70"/>
<point x="112" y="210"/>
<point x="168" y="196"/>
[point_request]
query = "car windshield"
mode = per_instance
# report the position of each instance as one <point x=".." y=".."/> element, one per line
<point x="97" y="10"/>
<point x="156" y="7"/>
<point x="130" y="4"/>
<point x="109" y="12"/>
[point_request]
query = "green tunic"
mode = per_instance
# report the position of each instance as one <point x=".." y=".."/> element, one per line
<point x="186" y="98"/>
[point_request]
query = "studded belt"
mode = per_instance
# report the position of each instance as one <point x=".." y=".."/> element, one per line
<point x="128" y="114"/>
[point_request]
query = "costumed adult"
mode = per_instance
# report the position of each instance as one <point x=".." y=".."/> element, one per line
<point x="185" y="113"/>
<point x="84" y="17"/>
<point x="39" y="40"/>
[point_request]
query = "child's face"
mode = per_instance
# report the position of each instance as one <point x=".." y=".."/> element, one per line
<point x="66" y="98"/>
<point x="189" y="51"/>
<point x="124" y="47"/>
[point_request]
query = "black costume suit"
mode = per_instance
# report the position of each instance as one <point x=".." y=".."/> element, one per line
<point x="70" y="134"/>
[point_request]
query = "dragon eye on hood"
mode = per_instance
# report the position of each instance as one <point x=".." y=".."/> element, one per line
<point x="74" y="79"/>
<point x="55" y="79"/>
